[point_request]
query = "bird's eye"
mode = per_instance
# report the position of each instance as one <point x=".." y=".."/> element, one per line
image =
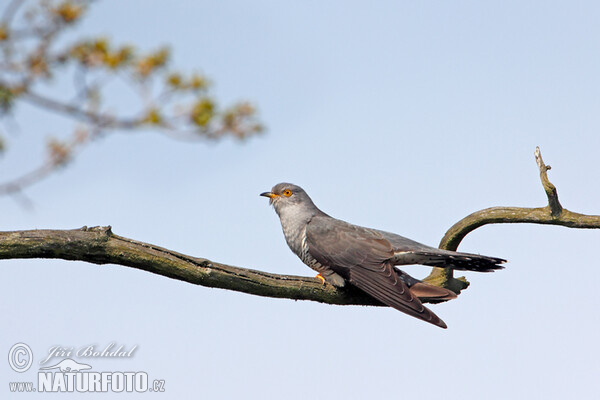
<point x="287" y="192"/>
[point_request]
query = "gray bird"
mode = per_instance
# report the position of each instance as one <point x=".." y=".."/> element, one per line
<point x="366" y="258"/>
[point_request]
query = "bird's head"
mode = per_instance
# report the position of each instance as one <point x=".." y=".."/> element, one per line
<point x="287" y="197"/>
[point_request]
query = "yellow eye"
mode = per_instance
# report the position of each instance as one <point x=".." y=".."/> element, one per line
<point x="287" y="193"/>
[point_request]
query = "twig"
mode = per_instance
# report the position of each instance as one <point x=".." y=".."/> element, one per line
<point x="100" y="120"/>
<point x="16" y="186"/>
<point x="555" y="207"/>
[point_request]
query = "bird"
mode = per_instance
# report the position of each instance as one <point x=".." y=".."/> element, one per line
<point x="346" y="254"/>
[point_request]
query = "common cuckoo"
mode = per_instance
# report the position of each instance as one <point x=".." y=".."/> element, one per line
<point x="366" y="258"/>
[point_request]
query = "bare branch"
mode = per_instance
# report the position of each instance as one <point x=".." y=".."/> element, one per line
<point x="552" y="214"/>
<point x="100" y="246"/>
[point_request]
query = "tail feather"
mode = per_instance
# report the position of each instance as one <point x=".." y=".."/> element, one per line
<point x="449" y="259"/>
<point x="408" y="251"/>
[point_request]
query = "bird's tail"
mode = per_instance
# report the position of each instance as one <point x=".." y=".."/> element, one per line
<point x="392" y="291"/>
<point x="449" y="259"/>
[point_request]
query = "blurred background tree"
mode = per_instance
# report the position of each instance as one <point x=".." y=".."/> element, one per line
<point x="35" y="52"/>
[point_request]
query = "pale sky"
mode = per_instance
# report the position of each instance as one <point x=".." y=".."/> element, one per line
<point x="402" y="116"/>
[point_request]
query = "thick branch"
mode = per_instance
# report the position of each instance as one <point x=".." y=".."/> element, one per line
<point x="99" y="245"/>
<point x="512" y="215"/>
<point x="552" y="214"/>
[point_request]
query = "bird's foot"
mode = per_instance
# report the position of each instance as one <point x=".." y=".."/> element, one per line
<point x="319" y="276"/>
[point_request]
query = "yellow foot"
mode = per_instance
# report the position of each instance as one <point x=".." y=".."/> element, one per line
<point x="321" y="278"/>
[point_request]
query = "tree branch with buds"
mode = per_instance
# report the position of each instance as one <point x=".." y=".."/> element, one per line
<point x="32" y="54"/>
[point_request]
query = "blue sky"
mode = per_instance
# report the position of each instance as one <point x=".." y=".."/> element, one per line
<point x="402" y="116"/>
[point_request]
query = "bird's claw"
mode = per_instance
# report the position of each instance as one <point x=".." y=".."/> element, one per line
<point x="320" y="277"/>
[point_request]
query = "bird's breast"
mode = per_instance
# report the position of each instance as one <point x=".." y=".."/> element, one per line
<point x="295" y="236"/>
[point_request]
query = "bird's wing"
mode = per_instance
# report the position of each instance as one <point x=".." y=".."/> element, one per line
<point x="407" y="251"/>
<point x="363" y="257"/>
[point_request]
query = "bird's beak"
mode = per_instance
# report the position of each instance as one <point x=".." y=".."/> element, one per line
<point x="272" y="196"/>
<point x="269" y="195"/>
